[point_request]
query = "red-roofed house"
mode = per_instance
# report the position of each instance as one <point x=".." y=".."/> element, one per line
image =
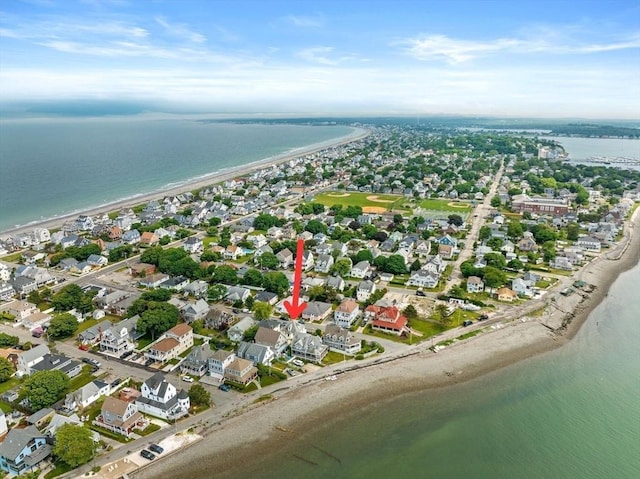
<point x="172" y="343"/>
<point x="389" y="320"/>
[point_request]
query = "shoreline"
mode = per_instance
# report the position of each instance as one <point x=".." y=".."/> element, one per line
<point x="191" y="183"/>
<point x="238" y="443"/>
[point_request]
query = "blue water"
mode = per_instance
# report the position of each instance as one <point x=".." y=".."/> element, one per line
<point x="571" y="413"/>
<point x="49" y="168"/>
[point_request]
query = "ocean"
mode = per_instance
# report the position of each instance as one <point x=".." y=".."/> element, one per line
<point x="55" y="167"/>
<point x="579" y="149"/>
<point x="570" y="413"/>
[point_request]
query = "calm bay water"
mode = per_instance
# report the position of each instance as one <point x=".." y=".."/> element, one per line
<point x="50" y="168"/>
<point x="579" y="149"/>
<point x="571" y="413"/>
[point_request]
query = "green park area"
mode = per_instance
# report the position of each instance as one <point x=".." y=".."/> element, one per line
<point x="364" y="200"/>
<point x="445" y="205"/>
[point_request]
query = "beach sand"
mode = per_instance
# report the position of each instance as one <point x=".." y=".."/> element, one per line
<point x="238" y="443"/>
<point x="202" y="182"/>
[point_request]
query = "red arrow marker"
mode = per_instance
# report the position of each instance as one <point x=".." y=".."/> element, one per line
<point x="293" y="307"/>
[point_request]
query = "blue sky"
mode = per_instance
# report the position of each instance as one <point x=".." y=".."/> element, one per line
<point x="500" y="58"/>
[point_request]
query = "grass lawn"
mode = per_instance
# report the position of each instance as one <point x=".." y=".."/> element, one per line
<point x="427" y="328"/>
<point x="334" y="357"/>
<point x="109" y="434"/>
<point x="149" y="429"/>
<point x="207" y="240"/>
<point x="61" y="468"/>
<point x="44" y="305"/>
<point x="144" y="342"/>
<point x="12" y="258"/>
<point x="444" y="205"/>
<point x="9" y="384"/>
<point x="85" y="377"/>
<point x="351" y="198"/>
<point x="267" y="380"/>
<point x="6" y="407"/>
<point x="86" y="324"/>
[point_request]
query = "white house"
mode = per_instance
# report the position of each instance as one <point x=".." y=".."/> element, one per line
<point x="160" y="398"/>
<point x="346" y="313"/>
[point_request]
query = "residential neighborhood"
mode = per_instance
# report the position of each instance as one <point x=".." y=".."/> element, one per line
<point x="407" y="237"/>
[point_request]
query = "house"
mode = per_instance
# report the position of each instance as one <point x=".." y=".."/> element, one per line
<point x="506" y="294"/>
<point x="589" y="243"/>
<point x="232" y="252"/>
<point x="93" y="335"/>
<point x="176" y="283"/>
<point x="120" y="417"/>
<point x="341" y="340"/>
<point x="21" y="310"/>
<point x="193" y="245"/>
<point x="324" y="263"/>
<point x="86" y="395"/>
<point x="285" y="257"/>
<point x="6" y="291"/>
<point x="144" y="270"/>
<point x="148" y="239"/>
<point x="360" y="270"/>
<point x="272" y="339"/>
<point x="423" y="278"/>
<point x="153" y="280"/>
<point x="309" y="347"/>
<point x="336" y="283"/>
<point x="131" y="237"/>
<point x="240" y="371"/>
<point x="365" y="290"/>
<point x="448" y="240"/>
<point x="237" y="293"/>
<point x="389" y="320"/>
<point x="266" y="297"/>
<point x="218" y="362"/>
<point x="475" y="284"/>
<point x="445" y="251"/>
<point x="256" y="353"/>
<point x="160" y="398"/>
<point x="217" y="319"/>
<point x="236" y="332"/>
<point x="307" y="260"/>
<point x="97" y="260"/>
<point x="423" y="248"/>
<point x="522" y="287"/>
<point x="194" y="311"/>
<point x="346" y="313"/>
<point x="23" y="450"/>
<point x="527" y="243"/>
<point x="121" y="338"/>
<point x="196" y="288"/>
<point x="171" y="344"/>
<point x="28" y="359"/>
<point x="316" y="311"/>
<point x="58" y="420"/>
<point x="197" y="362"/>
<point x="50" y="362"/>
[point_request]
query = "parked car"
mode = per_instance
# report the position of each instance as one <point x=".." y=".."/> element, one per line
<point x="147" y="455"/>
<point x="290" y="372"/>
<point x="298" y="362"/>
<point x="224" y="387"/>
<point x="187" y="379"/>
<point x="420" y="293"/>
<point x="155" y="448"/>
<point x="467" y="322"/>
<point x="86" y="360"/>
<point x="483" y="316"/>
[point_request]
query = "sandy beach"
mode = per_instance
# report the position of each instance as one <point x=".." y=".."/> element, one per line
<point x="213" y="178"/>
<point x="245" y="438"/>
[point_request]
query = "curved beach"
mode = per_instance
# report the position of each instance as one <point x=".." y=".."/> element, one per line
<point x="235" y="445"/>
<point x="200" y="182"/>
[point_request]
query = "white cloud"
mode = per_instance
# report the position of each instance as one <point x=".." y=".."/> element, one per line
<point x="455" y="51"/>
<point x="317" y="55"/>
<point x="180" y="30"/>
<point x="306" y="21"/>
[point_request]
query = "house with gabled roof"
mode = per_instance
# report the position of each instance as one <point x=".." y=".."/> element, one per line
<point x="423" y="278"/>
<point x="341" y="340"/>
<point x="364" y="290"/>
<point x="237" y="293"/>
<point x="160" y="398"/>
<point x="285" y="257"/>
<point x="23" y="450"/>
<point x="324" y="263"/>
<point x="120" y="417"/>
<point x="336" y="283"/>
<point x="360" y="270"/>
<point x="256" y="353"/>
<point x="316" y="311"/>
<point x="193" y="311"/>
<point x="86" y="395"/>
<point x="389" y="320"/>
<point x="309" y="347"/>
<point x="120" y="338"/>
<point x="217" y="318"/>
<point x="197" y="362"/>
<point x="241" y="371"/>
<point x="271" y="338"/>
<point x="346" y="313"/>
<point x="475" y="284"/>
<point x="93" y="335"/>
<point x="218" y="362"/>
<point x="171" y="344"/>
<point x="236" y="332"/>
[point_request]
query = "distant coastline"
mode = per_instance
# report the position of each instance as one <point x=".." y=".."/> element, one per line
<point x="190" y="184"/>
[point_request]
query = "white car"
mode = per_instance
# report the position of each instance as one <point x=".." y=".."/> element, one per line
<point x="187" y="379"/>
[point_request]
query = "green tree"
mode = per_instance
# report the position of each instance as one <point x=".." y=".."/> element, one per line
<point x="8" y="341"/>
<point x="410" y="312"/>
<point x="267" y="261"/>
<point x="493" y="277"/>
<point x="484" y="233"/>
<point x="276" y="282"/>
<point x="573" y="231"/>
<point x="342" y="267"/>
<point x="515" y="264"/>
<point x="514" y="229"/>
<point x="157" y="319"/>
<point x="395" y="265"/>
<point x="443" y="314"/>
<point x="315" y="227"/>
<point x="225" y="274"/>
<point x="199" y="396"/>
<point x="159" y="294"/>
<point x="495" y="202"/>
<point x="252" y="277"/>
<point x="496" y="260"/>
<point x="62" y="326"/>
<point x="44" y="388"/>
<point x="455" y="220"/>
<point x="262" y="310"/>
<point x="74" y="445"/>
<point x="216" y="292"/>
<point x="6" y="369"/>
<point x="363" y="255"/>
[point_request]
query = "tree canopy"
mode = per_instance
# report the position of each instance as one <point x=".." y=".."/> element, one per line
<point x="199" y="396"/>
<point x="157" y="318"/>
<point x="45" y="388"/>
<point x="262" y="310"/>
<point x="72" y="297"/>
<point x="276" y="282"/>
<point x="62" y="326"/>
<point x="6" y="369"/>
<point x="74" y="445"/>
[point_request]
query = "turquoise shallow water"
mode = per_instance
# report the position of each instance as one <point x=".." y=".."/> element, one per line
<point x="570" y="413"/>
<point x="50" y="168"/>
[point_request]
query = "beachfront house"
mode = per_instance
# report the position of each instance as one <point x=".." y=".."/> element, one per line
<point x="161" y="399"/>
<point x="23" y="450"/>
